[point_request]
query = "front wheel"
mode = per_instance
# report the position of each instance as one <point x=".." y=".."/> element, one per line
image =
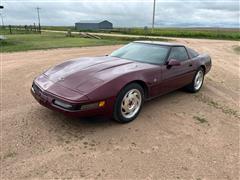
<point x="128" y="103"/>
<point x="197" y="82"/>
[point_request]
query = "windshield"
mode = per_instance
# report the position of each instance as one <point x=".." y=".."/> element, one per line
<point x="141" y="52"/>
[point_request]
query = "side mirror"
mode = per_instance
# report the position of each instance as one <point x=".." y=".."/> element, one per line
<point x="173" y="62"/>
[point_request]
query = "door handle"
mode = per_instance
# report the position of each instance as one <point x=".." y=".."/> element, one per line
<point x="190" y="65"/>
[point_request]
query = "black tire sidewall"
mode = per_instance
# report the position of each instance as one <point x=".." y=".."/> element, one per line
<point x="117" y="115"/>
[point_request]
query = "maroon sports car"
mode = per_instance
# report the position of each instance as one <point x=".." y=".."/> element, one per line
<point x="117" y="85"/>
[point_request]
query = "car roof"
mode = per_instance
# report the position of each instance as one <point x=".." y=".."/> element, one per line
<point x="159" y="43"/>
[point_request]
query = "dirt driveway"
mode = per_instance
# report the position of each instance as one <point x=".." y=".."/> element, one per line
<point x="177" y="136"/>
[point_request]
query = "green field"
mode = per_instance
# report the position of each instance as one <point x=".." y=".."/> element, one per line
<point x="25" y="42"/>
<point x="58" y="28"/>
<point x="22" y="40"/>
<point x="206" y="33"/>
<point x="48" y="40"/>
<point x="225" y="34"/>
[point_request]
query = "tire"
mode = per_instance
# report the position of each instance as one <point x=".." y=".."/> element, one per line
<point x="196" y="84"/>
<point x="128" y="103"/>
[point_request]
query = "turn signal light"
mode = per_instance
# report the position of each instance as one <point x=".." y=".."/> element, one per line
<point x="101" y="103"/>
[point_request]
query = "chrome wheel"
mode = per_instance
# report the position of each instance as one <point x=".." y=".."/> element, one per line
<point x="131" y="103"/>
<point x="198" y="80"/>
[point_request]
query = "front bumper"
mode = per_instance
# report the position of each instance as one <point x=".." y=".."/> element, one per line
<point x="46" y="99"/>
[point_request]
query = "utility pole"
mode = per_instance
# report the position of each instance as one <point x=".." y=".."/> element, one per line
<point x="1" y="7"/>
<point x="39" y="23"/>
<point x="153" y="18"/>
<point x="2" y="20"/>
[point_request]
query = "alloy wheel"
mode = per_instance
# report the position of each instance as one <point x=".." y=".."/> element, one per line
<point x="131" y="103"/>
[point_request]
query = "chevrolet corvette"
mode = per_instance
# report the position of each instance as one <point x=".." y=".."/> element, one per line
<point x="117" y="85"/>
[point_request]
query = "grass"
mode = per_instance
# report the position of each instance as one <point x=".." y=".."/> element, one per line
<point x="236" y="49"/>
<point x="226" y="34"/>
<point x="24" y="42"/>
<point x="200" y="119"/>
<point x="9" y="155"/>
<point x="49" y="40"/>
<point x="206" y="33"/>
<point x="216" y="105"/>
<point x="129" y="39"/>
<point x="58" y="28"/>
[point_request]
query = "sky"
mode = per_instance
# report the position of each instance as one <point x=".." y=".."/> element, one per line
<point x="124" y="13"/>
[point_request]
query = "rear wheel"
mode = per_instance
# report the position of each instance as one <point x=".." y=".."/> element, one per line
<point x="128" y="103"/>
<point x="197" y="82"/>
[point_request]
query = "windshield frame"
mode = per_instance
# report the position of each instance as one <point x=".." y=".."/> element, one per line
<point x="162" y="63"/>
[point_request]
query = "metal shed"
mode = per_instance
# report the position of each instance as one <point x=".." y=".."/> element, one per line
<point x="93" y="25"/>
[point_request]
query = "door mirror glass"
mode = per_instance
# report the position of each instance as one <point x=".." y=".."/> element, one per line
<point x="173" y="62"/>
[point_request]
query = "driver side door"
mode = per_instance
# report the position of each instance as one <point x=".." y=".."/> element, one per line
<point x="175" y="77"/>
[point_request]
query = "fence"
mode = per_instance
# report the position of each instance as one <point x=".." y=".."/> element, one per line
<point x="13" y="29"/>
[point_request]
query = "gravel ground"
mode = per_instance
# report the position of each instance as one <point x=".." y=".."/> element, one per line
<point x="176" y="136"/>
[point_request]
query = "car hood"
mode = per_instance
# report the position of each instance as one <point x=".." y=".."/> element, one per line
<point x="85" y="74"/>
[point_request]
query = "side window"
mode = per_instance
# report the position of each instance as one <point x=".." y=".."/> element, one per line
<point x="192" y="53"/>
<point x="178" y="53"/>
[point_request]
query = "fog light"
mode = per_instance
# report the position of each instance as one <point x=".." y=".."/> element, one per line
<point x="62" y="104"/>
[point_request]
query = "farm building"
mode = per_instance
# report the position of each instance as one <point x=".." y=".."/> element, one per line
<point x="93" y="25"/>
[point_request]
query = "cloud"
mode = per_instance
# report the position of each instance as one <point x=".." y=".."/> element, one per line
<point x="125" y="13"/>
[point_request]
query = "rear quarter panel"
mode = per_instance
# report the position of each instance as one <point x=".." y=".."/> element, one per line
<point x="205" y="61"/>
